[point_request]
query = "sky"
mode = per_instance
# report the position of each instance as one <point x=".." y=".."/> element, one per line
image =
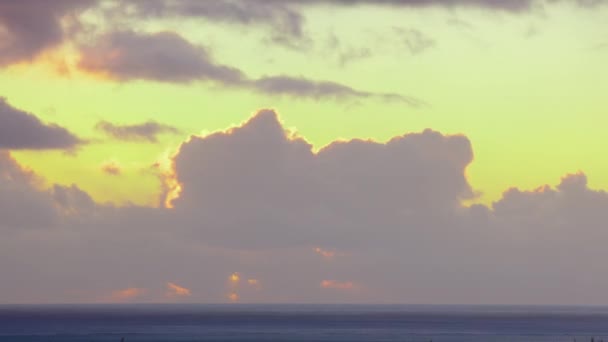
<point x="325" y="151"/>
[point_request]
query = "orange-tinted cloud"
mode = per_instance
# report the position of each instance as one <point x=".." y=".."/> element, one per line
<point x="325" y="253"/>
<point x="233" y="297"/>
<point x="174" y="290"/>
<point x="340" y="285"/>
<point x="126" y="294"/>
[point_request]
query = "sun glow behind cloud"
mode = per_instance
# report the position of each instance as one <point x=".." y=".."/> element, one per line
<point x="293" y="207"/>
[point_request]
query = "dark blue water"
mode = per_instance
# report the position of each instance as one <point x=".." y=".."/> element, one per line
<point x="300" y="323"/>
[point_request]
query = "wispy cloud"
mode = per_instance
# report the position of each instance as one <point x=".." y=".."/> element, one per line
<point x="325" y="253"/>
<point x="126" y="294"/>
<point x="339" y="285"/>
<point x="174" y="290"/>
<point x="147" y="131"/>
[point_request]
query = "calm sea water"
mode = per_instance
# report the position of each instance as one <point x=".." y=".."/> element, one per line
<point x="300" y="323"/>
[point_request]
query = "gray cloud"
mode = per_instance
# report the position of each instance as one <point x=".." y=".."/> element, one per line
<point x="20" y="197"/>
<point x="352" y="54"/>
<point x="147" y="131"/>
<point x="256" y="199"/>
<point x="271" y="13"/>
<point x="287" y="22"/>
<point x="162" y="56"/>
<point x="167" y="57"/>
<point x="307" y="192"/>
<point x="511" y="6"/>
<point x="414" y="40"/>
<point x="284" y="17"/>
<point x="32" y="26"/>
<point x="22" y="130"/>
<point x="302" y="87"/>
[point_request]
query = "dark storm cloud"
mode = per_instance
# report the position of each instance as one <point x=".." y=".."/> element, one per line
<point x="21" y="130"/>
<point x="147" y="131"/>
<point x="28" y="27"/>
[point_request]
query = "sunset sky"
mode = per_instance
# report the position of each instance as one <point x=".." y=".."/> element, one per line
<point x="404" y="151"/>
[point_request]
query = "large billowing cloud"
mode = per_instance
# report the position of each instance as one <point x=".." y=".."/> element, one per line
<point x="22" y="130"/>
<point x="28" y="27"/>
<point x="257" y="200"/>
<point x="313" y="198"/>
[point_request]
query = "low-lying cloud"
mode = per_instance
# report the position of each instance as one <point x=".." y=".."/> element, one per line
<point x="258" y="199"/>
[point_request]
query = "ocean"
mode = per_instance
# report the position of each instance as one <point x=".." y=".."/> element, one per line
<point x="151" y="322"/>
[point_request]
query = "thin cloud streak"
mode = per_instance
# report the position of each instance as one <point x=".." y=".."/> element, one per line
<point x="147" y="131"/>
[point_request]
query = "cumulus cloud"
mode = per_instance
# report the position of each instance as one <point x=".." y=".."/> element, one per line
<point x="305" y="191"/>
<point x="147" y="131"/>
<point x="258" y="199"/>
<point x="28" y="27"/>
<point x="21" y="130"/>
